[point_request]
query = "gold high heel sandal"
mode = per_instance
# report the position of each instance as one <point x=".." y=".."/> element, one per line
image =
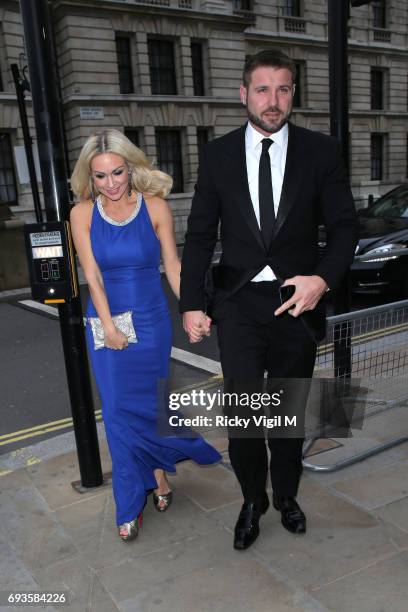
<point x="162" y="502"/>
<point x="132" y="529"/>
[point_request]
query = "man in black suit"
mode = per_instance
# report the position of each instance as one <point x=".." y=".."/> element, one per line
<point x="270" y="184"/>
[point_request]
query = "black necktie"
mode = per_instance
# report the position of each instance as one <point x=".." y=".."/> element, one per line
<point x="266" y="207"/>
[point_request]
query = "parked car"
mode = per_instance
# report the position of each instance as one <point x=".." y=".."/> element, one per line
<point x="381" y="261"/>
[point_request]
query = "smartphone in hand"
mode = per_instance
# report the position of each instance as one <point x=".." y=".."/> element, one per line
<point x="286" y="292"/>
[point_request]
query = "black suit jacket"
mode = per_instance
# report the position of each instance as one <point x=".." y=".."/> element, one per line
<point x="315" y="191"/>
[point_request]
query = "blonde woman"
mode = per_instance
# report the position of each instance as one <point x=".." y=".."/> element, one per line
<point x="120" y="227"/>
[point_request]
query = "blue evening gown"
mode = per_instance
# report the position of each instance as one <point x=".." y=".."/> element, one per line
<point x="128" y="255"/>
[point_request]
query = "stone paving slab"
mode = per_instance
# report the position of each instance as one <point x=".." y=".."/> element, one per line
<point x="80" y="581"/>
<point x="31" y="528"/>
<point x="208" y="487"/>
<point x="361" y="468"/>
<point x="381" y="487"/>
<point x="14" y="575"/>
<point x="395" y="513"/>
<point x="353" y="556"/>
<point x="238" y="585"/>
<point x="379" y="587"/>
<point x="53" y="478"/>
<point x="340" y="538"/>
<point x="91" y="526"/>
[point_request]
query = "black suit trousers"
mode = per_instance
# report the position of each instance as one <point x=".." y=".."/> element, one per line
<point x="252" y="340"/>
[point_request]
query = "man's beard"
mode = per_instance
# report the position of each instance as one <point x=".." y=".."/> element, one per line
<point x="268" y="127"/>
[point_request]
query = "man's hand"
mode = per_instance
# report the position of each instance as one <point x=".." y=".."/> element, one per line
<point x="309" y="290"/>
<point x="196" y="324"/>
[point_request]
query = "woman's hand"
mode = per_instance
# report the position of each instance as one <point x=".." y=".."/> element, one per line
<point x="115" y="339"/>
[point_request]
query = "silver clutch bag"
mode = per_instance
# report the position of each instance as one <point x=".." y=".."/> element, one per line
<point x="122" y="321"/>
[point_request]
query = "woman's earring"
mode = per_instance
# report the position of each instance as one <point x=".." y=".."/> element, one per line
<point x="130" y="187"/>
<point x="93" y="191"/>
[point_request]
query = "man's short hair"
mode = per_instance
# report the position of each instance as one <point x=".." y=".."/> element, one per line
<point x="270" y="57"/>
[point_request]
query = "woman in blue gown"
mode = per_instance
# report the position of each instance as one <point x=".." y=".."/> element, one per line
<point x="120" y="227"/>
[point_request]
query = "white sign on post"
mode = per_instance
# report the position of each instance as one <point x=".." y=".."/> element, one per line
<point x="22" y="166"/>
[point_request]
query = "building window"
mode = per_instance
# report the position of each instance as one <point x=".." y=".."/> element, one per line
<point x="298" y="98"/>
<point x="379" y="14"/>
<point x="8" y="185"/>
<point x="291" y="8"/>
<point x="133" y="135"/>
<point x="406" y="170"/>
<point x="169" y="157"/>
<point x="3" y="62"/>
<point x="124" y="64"/>
<point x="198" y="68"/>
<point x="162" y="67"/>
<point x="202" y="139"/>
<point x="377" y="157"/>
<point x="377" y="89"/>
<point x="243" y="5"/>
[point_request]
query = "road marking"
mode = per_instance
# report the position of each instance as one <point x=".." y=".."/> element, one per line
<point x="197" y="361"/>
<point x="39" y="430"/>
<point x="366" y="337"/>
<point x="39" y="306"/>
<point x="32" y="461"/>
<point x="214" y="367"/>
<point x="35" y="428"/>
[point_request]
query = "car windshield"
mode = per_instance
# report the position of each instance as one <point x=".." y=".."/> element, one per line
<point x="394" y="204"/>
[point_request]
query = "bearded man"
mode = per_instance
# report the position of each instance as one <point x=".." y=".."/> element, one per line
<point x="270" y="184"/>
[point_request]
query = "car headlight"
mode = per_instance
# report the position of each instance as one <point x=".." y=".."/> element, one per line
<point x="384" y="252"/>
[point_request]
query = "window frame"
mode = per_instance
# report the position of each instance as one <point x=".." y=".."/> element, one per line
<point x="198" y="44"/>
<point x="292" y="8"/>
<point x="178" y="177"/>
<point x="201" y="142"/>
<point x="376" y="90"/>
<point x="300" y="90"/>
<point x="3" y="63"/>
<point x="379" y="14"/>
<point x="243" y="5"/>
<point x="136" y="131"/>
<point x="129" y="87"/>
<point x="377" y="139"/>
<point x="159" y="70"/>
<point x="11" y="168"/>
<point x="406" y="154"/>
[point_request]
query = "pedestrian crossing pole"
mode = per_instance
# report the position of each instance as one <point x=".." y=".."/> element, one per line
<point x="49" y="129"/>
<point x="338" y="14"/>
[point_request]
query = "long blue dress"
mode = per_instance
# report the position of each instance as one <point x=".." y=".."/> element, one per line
<point x="128" y="255"/>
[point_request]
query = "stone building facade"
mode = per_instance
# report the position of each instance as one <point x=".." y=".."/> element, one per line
<point x="167" y="72"/>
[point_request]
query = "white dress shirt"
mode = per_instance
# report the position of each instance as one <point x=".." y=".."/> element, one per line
<point x="277" y="153"/>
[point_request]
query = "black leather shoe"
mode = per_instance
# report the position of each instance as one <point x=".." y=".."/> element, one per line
<point x="247" y="527"/>
<point x="293" y="518"/>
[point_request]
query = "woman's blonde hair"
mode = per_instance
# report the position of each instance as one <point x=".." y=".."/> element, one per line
<point x="142" y="176"/>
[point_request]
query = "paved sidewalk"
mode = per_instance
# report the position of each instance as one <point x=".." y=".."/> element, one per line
<point x="353" y="557"/>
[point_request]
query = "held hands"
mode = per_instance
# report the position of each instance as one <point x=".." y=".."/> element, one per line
<point x="115" y="339"/>
<point x="309" y="290"/>
<point x="196" y="324"/>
